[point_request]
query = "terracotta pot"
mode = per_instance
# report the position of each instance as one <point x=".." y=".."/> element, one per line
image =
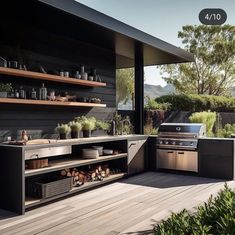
<point x="87" y="134"/>
<point x="74" y="135"/>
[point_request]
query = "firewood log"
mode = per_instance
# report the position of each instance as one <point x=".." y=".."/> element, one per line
<point x="63" y="173"/>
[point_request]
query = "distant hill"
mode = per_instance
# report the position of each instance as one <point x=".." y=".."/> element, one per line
<point x="152" y="91"/>
<point x="155" y="91"/>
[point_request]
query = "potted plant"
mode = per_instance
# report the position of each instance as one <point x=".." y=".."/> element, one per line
<point x="75" y="127"/>
<point x="63" y="130"/>
<point x="5" y="89"/>
<point x="103" y="125"/>
<point x="88" y="125"/>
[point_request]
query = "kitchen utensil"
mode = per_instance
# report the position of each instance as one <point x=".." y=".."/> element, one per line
<point x="90" y="153"/>
<point x="99" y="148"/>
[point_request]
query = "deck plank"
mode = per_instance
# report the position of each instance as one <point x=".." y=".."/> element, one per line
<point x="129" y="206"/>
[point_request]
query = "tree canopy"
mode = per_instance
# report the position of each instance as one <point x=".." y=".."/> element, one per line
<point x="213" y="71"/>
<point x="124" y="85"/>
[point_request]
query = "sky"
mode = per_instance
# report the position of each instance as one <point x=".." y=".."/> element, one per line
<point x="160" y="18"/>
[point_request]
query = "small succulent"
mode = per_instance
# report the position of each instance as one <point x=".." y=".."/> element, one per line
<point x="5" y="87"/>
<point x="75" y="126"/>
<point x="88" y="123"/>
<point x="63" y="128"/>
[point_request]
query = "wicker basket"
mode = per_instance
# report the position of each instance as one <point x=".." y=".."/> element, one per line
<point x="48" y="186"/>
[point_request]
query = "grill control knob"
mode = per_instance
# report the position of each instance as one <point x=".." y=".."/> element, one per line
<point x="191" y="143"/>
<point x="160" y="141"/>
<point x="166" y="142"/>
<point x="180" y="143"/>
<point x="173" y="142"/>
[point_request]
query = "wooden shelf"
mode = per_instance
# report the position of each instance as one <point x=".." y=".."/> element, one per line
<point x="72" y="162"/>
<point x="45" y="102"/>
<point x="49" y="77"/>
<point x="32" y="202"/>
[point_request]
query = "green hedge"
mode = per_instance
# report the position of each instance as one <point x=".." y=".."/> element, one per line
<point x="198" y="102"/>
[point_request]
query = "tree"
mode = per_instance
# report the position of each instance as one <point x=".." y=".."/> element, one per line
<point x="213" y="71"/>
<point x="124" y="85"/>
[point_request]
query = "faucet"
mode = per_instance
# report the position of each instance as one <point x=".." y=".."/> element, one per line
<point x="124" y="121"/>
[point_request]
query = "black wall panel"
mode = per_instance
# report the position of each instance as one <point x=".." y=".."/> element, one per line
<point x="33" y="45"/>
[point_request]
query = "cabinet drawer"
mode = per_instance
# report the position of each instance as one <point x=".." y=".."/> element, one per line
<point x="134" y="147"/>
<point x="47" y="152"/>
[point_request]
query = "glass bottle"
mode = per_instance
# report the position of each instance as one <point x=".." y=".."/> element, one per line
<point x="21" y="93"/>
<point x="43" y="92"/>
<point x="33" y="94"/>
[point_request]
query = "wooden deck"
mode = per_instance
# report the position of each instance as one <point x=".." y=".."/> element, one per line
<point x="130" y="206"/>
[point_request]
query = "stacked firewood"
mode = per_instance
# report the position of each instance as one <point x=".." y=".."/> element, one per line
<point x="96" y="173"/>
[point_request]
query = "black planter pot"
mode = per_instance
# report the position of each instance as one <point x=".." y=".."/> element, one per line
<point x="74" y="135"/>
<point x="63" y="136"/>
<point x="87" y="134"/>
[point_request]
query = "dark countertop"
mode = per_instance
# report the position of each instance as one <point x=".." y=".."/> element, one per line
<point x="216" y="138"/>
<point x="68" y="142"/>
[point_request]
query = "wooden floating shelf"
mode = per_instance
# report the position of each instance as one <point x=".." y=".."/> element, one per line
<point x="49" y="77"/>
<point x="32" y="202"/>
<point x="49" y="103"/>
<point x="71" y="162"/>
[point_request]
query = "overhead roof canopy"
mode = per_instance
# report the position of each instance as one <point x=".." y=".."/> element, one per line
<point x="94" y="27"/>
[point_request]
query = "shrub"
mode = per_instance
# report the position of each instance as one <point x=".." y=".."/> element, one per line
<point x="198" y="103"/>
<point x="227" y="131"/>
<point x="207" y="118"/>
<point x="217" y="216"/>
<point x="153" y="105"/>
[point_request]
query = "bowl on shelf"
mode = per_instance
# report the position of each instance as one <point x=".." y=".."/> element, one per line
<point x="99" y="148"/>
<point x="108" y="151"/>
<point x="90" y="153"/>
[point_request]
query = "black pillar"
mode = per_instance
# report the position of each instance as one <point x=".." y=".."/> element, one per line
<point x="139" y="89"/>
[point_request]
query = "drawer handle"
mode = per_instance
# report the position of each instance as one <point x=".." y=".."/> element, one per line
<point x="34" y="155"/>
<point x="133" y="144"/>
<point x="180" y="152"/>
<point x="170" y="152"/>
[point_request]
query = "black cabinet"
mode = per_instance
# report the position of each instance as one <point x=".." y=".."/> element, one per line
<point x="136" y="156"/>
<point x="216" y="158"/>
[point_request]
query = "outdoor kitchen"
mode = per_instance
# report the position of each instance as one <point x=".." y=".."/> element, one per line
<point x="60" y="131"/>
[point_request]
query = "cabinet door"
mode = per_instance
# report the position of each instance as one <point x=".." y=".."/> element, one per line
<point x="187" y="161"/>
<point x="166" y="159"/>
<point x="136" y="156"/>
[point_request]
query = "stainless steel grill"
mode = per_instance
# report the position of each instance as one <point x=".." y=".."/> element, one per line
<point x="177" y="146"/>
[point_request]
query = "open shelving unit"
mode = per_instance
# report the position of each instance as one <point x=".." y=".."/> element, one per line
<point x="48" y="103"/>
<point x="49" y="77"/>
<point x="33" y="202"/>
<point x="71" y="162"/>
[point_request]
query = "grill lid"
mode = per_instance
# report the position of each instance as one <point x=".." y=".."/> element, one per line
<point x="182" y="128"/>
